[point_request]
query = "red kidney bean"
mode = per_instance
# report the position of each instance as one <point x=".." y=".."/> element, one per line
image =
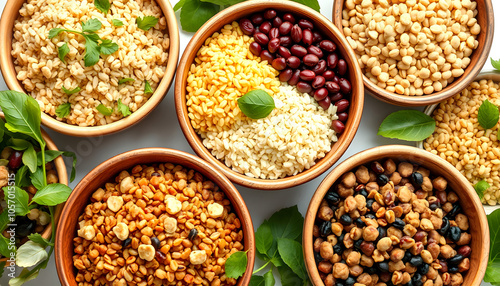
<point x="318" y="82"/>
<point x="345" y="86"/>
<point x="279" y="63"/>
<point x="255" y="48"/>
<point x="444" y="266"/>
<point x="274" y="33"/>
<point x="306" y="24"/>
<point x="320" y="67"/>
<point x="285" y="41"/>
<point x="246" y="27"/>
<point x="285" y="28"/>
<point x="257" y="19"/>
<point x="269" y="14"/>
<point x="293" y="62"/>
<point x="320" y="94"/>
<point x="343" y="116"/>
<point x="289" y="17"/>
<point x="265" y="27"/>
<point x="295" y="77"/>
<point x="342" y="105"/>
<point x="296" y="33"/>
<point x="338" y="126"/>
<point x="328" y="75"/>
<point x="336" y="96"/>
<point x="307" y="75"/>
<point x="15" y="159"/>
<point x="315" y="51"/>
<point x="342" y="67"/>
<point x="277" y="22"/>
<point x="332" y="87"/>
<point x="327" y="46"/>
<point x="273" y="45"/>
<point x="304" y="87"/>
<point x="284" y="52"/>
<point x="317" y="37"/>
<point x="307" y="37"/>
<point x="310" y="60"/>
<point x="261" y="38"/>
<point x="325" y="103"/>
<point x="464" y="250"/>
<point x="265" y="55"/>
<point x="286" y="75"/>
<point x="298" y="51"/>
<point x="336" y="79"/>
<point x="332" y="60"/>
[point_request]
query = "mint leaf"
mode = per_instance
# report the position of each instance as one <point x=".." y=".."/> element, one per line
<point x="291" y="252"/>
<point x="91" y="25"/>
<point x="4" y="246"/>
<point x="52" y="194"/>
<point x="256" y="104"/>
<point x="147" y="22"/>
<point x="147" y="88"/>
<point x="288" y="277"/>
<point x="309" y="3"/>
<point x="492" y="274"/>
<point x="18" y="281"/>
<point x="71" y="91"/>
<point x="62" y="51"/>
<point x="37" y="238"/>
<point x="269" y="278"/>
<point x="495" y="64"/>
<point x="104" y="110"/>
<point x="91" y="52"/>
<point x="123" y="109"/>
<point x="488" y="115"/>
<point x="29" y="158"/>
<point x="124" y="80"/>
<point x="480" y="187"/>
<point x="236" y="264"/>
<point x="37" y="179"/>
<point x="179" y="5"/>
<point x="117" y="23"/>
<point x="17" y="199"/>
<point x="263" y="238"/>
<point x="409" y="125"/>
<point x="63" y="110"/>
<point x="195" y="13"/>
<point x="107" y="47"/>
<point x="102" y="5"/>
<point x="54" y="32"/>
<point x="30" y="254"/>
<point x="257" y="280"/>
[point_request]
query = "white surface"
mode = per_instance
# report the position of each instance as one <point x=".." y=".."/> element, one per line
<point x="161" y="129"/>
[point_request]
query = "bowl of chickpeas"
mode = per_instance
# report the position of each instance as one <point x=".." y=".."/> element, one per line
<point x="396" y="215"/>
<point x="415" y="54"/>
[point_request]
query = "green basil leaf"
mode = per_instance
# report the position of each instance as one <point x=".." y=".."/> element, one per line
<point x="104" y="110"/>
<point x="2" y="267"/>
<point x="257" y="280"/>
<point x="73" y="167"/>
<point x="92" y="52"/>
<point x="102" y="5"/>
<point x="147" y="88"/>
<point x="269" y="278"/>
<point x="30" y="254"/>
<point x="488" y="115"/>
<point x="50" y="155"/>
<point x="492" y="274"/>
<point x="123" y="109"/>
<point x="62" y="51"/>
<point x="63" y="110"/>
<point x="310" y="3"/>
<point x="4" y="246"/>
<point x="37" y="179"/>
<point x="117" y="23"/>
<point x="55" y="31"/>
<point x="29" y="158"/>
<point x="91" y="25"/>
<point x="263" y="238"/>
<point x="3" y="129"/>
<point x="71" y="91"/>
<point x="107" y="47"/>
<point x="291" y="253"/>
<point x="288" y="277"/>
<point x="495" y="64"/>
<point x="18" y="281"/>
<point x="480" y="187"/>
<point x="19" y="144"/>
<point x="52" y="194"/>
<point x="22" y="114"/>
<point x="409" y="125"/>
<point x="93" y="37"/>
<point x="195" y="13"/>
<point x="16" y="199"/>
<point x="223" y="2"/>
<point x="22" y="178"/>
<point x="493" y="223"/>
<point x="124" y="80"/>
<point x="37" y="238"/>
<point x="236" y="264"/>
<point x="286" y="223"/>
<point x="256" y="104"/>
<point x="147" y="22"/>
<point x="179" y="5"/>
<point x="4" y="220"/>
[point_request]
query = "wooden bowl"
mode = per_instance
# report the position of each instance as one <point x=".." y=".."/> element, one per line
<point x="478" y="58"/>
<point x="471" y="206"/>
<point x="107" y="170"/>
<point x="239" y="11"/>
<point x="63" y="179"/>
<point x="11" y="13"/>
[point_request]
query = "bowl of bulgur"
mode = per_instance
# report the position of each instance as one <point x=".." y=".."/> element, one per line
<point x="153" y="216"/>
<point x="417" y="53"/>
<point x="93" y="71"/>
<point x="302" y="61"/>
<point x="395" y="214"/>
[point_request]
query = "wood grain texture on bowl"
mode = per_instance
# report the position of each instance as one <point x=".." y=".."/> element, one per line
<point x="11" y="13"/>
<point x="107" y="170"/>
<point x="478" y="59"/>
<point x="235" y="13"/>
<point x="470" y="204"/>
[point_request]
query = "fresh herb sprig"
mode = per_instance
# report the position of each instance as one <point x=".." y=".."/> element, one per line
<point x="480" y="187"/>
<point x="492" y="274"/>
<point x="102" y="5"/>
<point x="278" y="242"/>
<point x="409" y="125"/>
<point x="94" y="45"/>
<point x="256" y="104"/>
<point x="22" y="132"/>
<point x="147" y="22"/>
<point x="488" y="115"/>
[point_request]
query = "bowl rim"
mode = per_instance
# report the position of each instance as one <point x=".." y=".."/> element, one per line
<point x="410" y="153"/>
<point x="158" y="155"/>
<point x="355" y="111"/>
<point x="450" y="90"/>
<point x="10" y="14"/>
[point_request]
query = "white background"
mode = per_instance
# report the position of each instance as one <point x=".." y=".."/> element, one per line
<point x="161" y="129"/>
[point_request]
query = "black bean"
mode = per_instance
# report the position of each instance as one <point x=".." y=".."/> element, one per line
<point x="383" y="266"/>
<point x="325" y="228"/>
<point x="453" y="269"/>
<point x="25" y="226"/>
<point x="155" y="174"/>
<point x="382" y="179"/>
<point x="192" y="234"/>
<point x="364" y="193"/>
<point x="340" y="239"/>
<point x="454" y="211"/>
<point x="338" y="249"/>
<point x="126" y="242"/>
<point x="357" y="243"/>
<point x="350" y="281"/>
<point x="407" y="257"/>
<point x="345" y="219"/>
<point x="382" y="232"/>
<point x="445" y="226"/>
<point x="434" y="206"/>
<point x="416" y="260"/>
<point x="455" y="259"/>
<point x="417" y="279"/>
<point x="416" y="179"/>
<point x="423" y="269"/>
<point x="317" y="257"/>
<point x="370" y="216"/>
<point x="155" y="242"/>
<point x="339" y="284"/>
<point x="399" y="224"/>
<point x="359" y="222"/>
<point x="369" y="203"/>
<point x="409" y="283"/>
<point x="371" y="270"/>
<point x="454" y="233"/>
<point x="332" y="197"/>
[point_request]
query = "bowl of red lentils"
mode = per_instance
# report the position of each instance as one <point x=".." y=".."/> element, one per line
<point x="417" y="53"/>
<point x="396" y="215"/>
<point x="153" y="216"/>
<point x="302" y="61"/>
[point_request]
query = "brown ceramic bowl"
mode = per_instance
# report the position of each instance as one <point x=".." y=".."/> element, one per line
<point x="478" y="58"/>
<point x="237" y="12"/>
<point x="11" y="13"/>
<point x="107" y="170"/>
<point x="63" y="179"/>
<point x="470" y="203"/>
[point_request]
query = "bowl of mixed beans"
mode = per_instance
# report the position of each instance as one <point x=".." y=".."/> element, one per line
<point x="153" y="216"/>
<point x="395" y="215"/>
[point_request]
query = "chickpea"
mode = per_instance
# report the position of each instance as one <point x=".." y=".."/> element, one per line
<point x="405" y="169"/>
<point x="464" y="238"/>
<point x="462" y="222"/>
<point x="353" y="258"/>
<point x="326" y="250"/>
<point x="325" y="213"/>
<point x="317" y="244"/>
<point x="370" y="233"/>
<point x="325" y="267"/>
<point x="362" y="175"/>
<point x="349" y="180"/>
<point x="340" y="271"/>
<point x="366" y="261"/>
<point x="365" y="279"/>
<point x="397" y="254"/>
<point x="447" y="251"/>
<point x="439" y="183"/>
<point x="384" y="244"/>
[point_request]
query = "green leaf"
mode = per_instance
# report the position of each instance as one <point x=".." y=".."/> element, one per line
<point x="17" y="199"/>
<point x="195" y="13"/>
<point x="147" y="22"/>
<point x="107" y="47"/>
<point x="179" y="5"/>
<point x="92" y="52"/>
<point x="73" y="167"/>
<point x="287" y="223"/>
<point x="37" y="179"/>
<point x="22" y="179"/>
<point x="37" y="238"/>
<point x="409" y="125"/>
<point x="495" y="64"/>
<point x="223" y="2"/>
<point x="52" y="194"/>
<point x="19" y="144"/>
<point x="269" y="278"/>
<point x="288" y="277"/>
<point x="2" y="266"/>
<point x="124" y="80"/>
<point x="104" y="110"/>
<point x="4" y="220"/>
<point x="147" y="88"/>
<point x="91" y="25"/>
<point x="21" y="279"/>
<point x="236" y="264"/>
<point x="492" y="274"/>
<point x="309" y="3"/>
<point x="480" y="187"/>
<point x="256" y="104"/>
<point x="63" y="110"/>
<point x="263" y="238"/>
<point x="62" y="51"/>
<point x="257" y="280"/>
<point x="117" y="23"/>
<point x="50" y="155"/>
<point x="29" y="158"/>
<point x="123" y="109"/>
<point x="30" y="254"/>
<point x="291" y="253"/>
<point x="71" y="91"/>
<point x="4" y="246"/>
<point x="102" y="5"/>
<point x="488" y="115"/>
<point x="55" y="31"/>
